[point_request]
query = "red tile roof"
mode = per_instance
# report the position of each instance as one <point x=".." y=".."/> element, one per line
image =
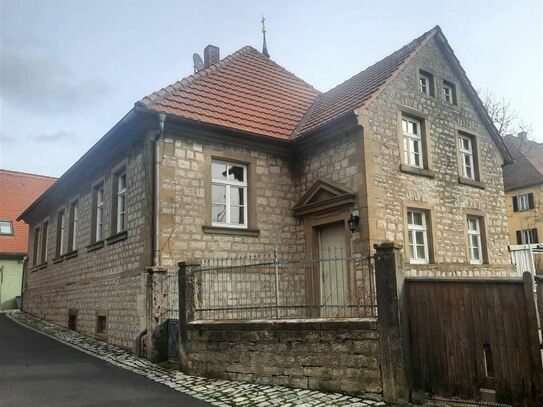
<point x="17" y="191"/>
<point x="245" y="91"/>
<point x="359" y="90"/>
<point x="527" y="166"/>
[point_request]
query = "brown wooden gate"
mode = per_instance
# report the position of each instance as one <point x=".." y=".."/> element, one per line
<point x="468" y="335"/>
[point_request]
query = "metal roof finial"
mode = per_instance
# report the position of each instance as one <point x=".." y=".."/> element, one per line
<point x="264" y="45"/>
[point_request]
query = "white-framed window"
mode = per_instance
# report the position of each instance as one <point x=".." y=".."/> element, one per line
<point x="6" y="228"/>
<point x="60" y="232"/>
<point x="44" y="241"/>
<point x="527" y="236"/>
<point x="228" y="194"/>
<point x="417" y="229"/>
<point x="524" y="202"/>
<point x="72" y="231"/>
<point x="121" y="202"/>
<point x="99" y="213"/>
<point x="449" y="92"/>
<point x="475" y="242"/>
<point x="36" y="246"/>
<point x="467" y="163"/>
<point x="412" y="142"/>
<point x="426" y="83"/>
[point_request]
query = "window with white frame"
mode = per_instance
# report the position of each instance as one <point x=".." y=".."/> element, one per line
<point x="120" y="203"/>
<point x="523" y="202"/>
<point x="72" y="231"/>
<point x="36" y="246"/>
<point x="475" y="241"/>
<point x="412" y="142"/>
<point x="6" y="228"/>
<point x="527" y="236"/>
<point x="98" y="232"/>
<point x="60" y="233"/>
<point x="44" y="241"/>
<point x="449" y="92"/>
<point x="228" y="194"/>
<point x="417" y="229"/>
<point x="467" y="162"/>
<point x="426" y="83"/>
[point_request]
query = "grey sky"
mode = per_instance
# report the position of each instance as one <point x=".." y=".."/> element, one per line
<point x="71" y="69"/>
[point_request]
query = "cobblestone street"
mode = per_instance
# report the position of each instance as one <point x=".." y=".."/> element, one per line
<point x="214" y="392"/>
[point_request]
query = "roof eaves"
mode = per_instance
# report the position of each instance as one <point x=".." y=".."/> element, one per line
<point x="126" y="118"/>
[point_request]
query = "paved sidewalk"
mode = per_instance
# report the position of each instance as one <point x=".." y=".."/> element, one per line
<point x="215" y="392"/>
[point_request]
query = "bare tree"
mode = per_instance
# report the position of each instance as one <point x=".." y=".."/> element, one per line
<point x="504" y="116"/>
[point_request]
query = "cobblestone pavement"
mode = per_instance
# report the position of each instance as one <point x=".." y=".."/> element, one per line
<point x="216" y="392"/>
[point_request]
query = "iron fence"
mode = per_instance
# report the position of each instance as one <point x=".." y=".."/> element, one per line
<point x="270" y="287"/>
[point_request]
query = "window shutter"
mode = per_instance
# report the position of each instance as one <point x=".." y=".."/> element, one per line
<point x="531" y="200"/>
<point x="515" y="205"/>
<point x="534" y="235"/>
<point x="519" y="237"/>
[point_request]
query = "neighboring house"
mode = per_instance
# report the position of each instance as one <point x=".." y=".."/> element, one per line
<point x="523" y="183"/>
<point x="17" y="191"/>
<point x="244" y="157"/>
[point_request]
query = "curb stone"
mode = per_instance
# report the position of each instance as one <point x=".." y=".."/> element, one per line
<point x="217" y="392"/>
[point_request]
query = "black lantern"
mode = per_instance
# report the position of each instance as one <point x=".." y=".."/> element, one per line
<point x="353" y="222"/>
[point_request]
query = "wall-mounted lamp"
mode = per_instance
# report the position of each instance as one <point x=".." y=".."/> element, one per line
<point x="353" y="222"/>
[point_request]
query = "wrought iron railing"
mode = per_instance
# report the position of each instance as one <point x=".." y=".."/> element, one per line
<point x="272" y="287"/>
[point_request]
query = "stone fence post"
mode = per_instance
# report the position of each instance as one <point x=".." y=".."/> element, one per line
<point x="186" y="309"/>
<point x="157" y="330"/>
<point x="392" y="322"/>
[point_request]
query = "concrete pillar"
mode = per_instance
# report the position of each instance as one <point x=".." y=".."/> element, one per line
<point x="392" y="322"/>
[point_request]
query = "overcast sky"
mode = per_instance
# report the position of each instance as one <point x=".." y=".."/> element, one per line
<point x="71" y="69"/>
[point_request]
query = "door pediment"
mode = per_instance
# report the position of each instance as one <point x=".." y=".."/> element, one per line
<point x="324" y="196"/>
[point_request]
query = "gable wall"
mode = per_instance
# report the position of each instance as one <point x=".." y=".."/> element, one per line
<point x="390" y="190"/>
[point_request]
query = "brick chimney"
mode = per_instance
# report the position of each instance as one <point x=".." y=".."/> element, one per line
<point x="523" y="136"/>
<point x="211" y="55"/>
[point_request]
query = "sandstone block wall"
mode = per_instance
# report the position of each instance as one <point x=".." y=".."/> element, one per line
<point x="341" y="356"/>
<point x="110" y="279"/>
<point x="390" y="191"/>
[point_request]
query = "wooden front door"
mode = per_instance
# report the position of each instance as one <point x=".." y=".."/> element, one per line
<point x="333" y="269"/>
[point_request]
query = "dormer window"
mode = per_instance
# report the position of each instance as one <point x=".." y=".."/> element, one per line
<point x="426" y="83"/>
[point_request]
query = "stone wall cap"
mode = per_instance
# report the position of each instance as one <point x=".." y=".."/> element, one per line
<point x="388" y="245"/>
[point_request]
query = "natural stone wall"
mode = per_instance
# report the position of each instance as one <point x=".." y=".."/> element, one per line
<point x="121" y="298"/>
<point x="391" y="191"/>
<point x="334" y="356"/>
<point x="111" y="278"/>
<point x="185" y="172"/>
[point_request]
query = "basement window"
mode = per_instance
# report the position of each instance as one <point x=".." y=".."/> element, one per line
<point x="101" y="324"/>
<point x="72" y="320"/>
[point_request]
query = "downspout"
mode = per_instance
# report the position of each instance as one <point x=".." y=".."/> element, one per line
<point x="149" y="332"/>
<point x="156" y="189"/>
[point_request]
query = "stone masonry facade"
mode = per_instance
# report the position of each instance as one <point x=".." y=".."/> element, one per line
<point x="108" y="280"/>
<point x="340" y="356"/>
<point x="391" y="191"/>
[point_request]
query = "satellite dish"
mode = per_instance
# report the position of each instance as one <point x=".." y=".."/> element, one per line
<point x="198" y="63"/>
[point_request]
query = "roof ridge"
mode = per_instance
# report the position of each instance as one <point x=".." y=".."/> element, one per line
<point x="28" y="174"/>
<point x="419" y="41"/>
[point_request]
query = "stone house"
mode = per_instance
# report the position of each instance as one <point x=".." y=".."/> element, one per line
<point x="523" y="183"/>
<point x="245" y="157"/>
<point x="17" y="191"/>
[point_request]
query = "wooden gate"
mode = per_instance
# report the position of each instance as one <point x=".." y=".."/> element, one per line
<point x="475" y="339"/>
